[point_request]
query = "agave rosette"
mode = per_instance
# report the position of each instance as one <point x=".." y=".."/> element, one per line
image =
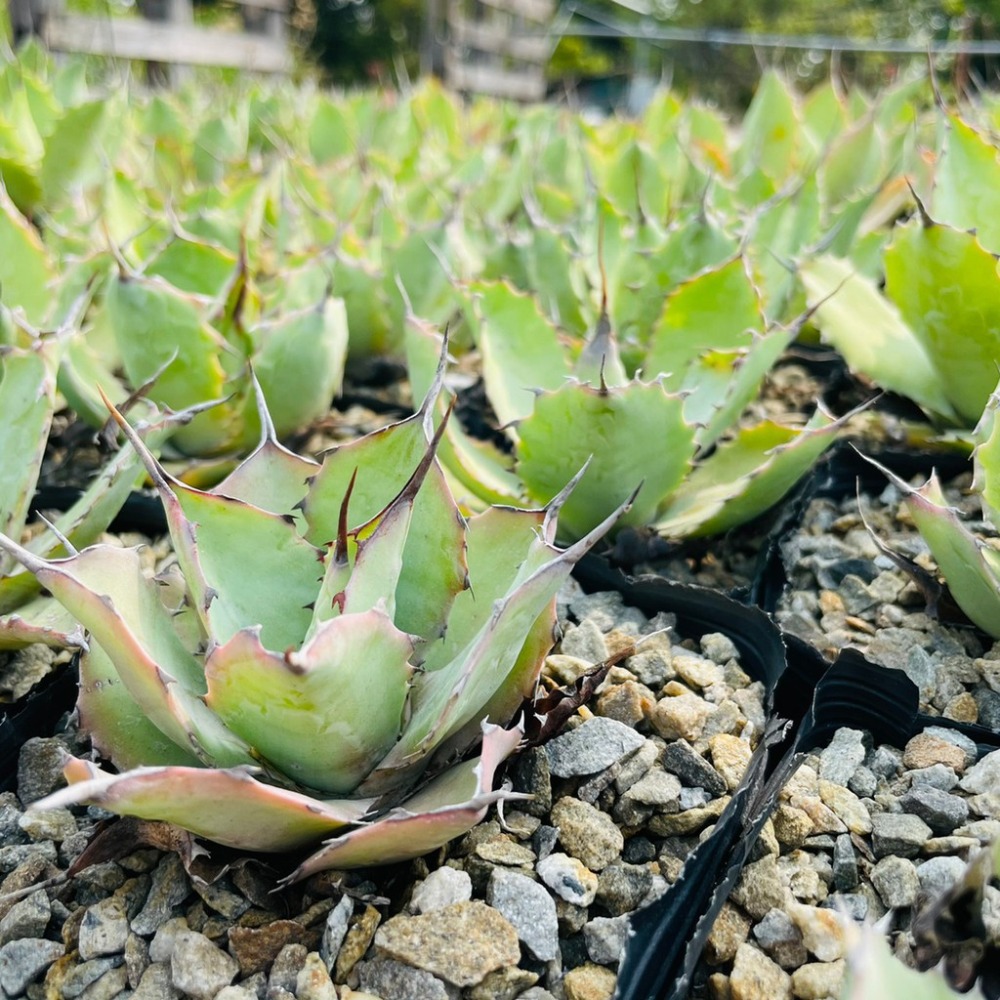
<point x="674" y="423"/>
<point x="333" y="639"/>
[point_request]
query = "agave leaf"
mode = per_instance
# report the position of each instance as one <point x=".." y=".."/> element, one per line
<point x="228" y="806"/>
<point x="106" y="590"/>
<point x="271" y="477"/>
<point x="117" y="725"/>
<point x="446" y="699"/>
<point x="967" y="183"/>
<point x="446" y="808"/>
<point x="300" y="363"/>
<point x="185" y="364"/>
<point x="194" y="266"/>
<point x="74" y="146"/>
<point x="970" y="568"/>
<point x="25" y="267"/>
<point x="38" y="620"/>
<point x="618" y="427"/>
<point x="717" y="310"/>
<point x="599" y="361"/>
<point x="854" y="164"/>
<point x="520" y="349"/>
<point x="871" y="334"/>
<point x="433" y="559"/>
<point x="312" y="713"/>
<point x="745" y="476"/>
<point x="214" y="536"/>
<point x="478" y="466"/>
<point x="986" y="461"/>
<point x="27" y="402"/>
<point x="773" y="139"/>
<point x="947" y="290"/>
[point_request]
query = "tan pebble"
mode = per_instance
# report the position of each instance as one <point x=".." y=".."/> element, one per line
<point x="791" y="825"/>
<point x="629" y="702"/>
<point x="565" y="669"/>
<point x="696" y="670"/>
<point x="925" y="751"/>
<point x="847" y="806"/>
<point x="756" y="977"/>
<point x="589" y="982"/>
<point x="680" y="716"/>
<point x="805" y="781"/>
<point x="818" y="980"/>
<point x="730" y="756"/>
<point x="689" y="821"/>
<point x="729" y="931"/>
<point x="822" y="930"/>
<point x="830" y="602"/>
<point x="824" y="819"/>
<point x="718" y="987"/>
<point x="962" y="708"/>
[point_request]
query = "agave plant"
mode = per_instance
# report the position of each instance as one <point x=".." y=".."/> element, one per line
<point x="333" y="638"/>
<point x="674" y="423"/>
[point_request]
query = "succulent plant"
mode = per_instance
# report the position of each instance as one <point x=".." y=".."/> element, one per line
<point x="333" y="639"/>
<point x="674" y="424"/>
<point x="969" y="562"/>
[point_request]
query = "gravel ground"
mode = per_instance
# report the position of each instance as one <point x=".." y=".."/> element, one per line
<point x="533" y="904"/>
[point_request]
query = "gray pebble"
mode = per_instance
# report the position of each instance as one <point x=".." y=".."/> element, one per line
<point x="81" y="977"/>
<point x="335" y="930"/>
<point x="170" y="887"/>
<point x="529" y="908"/>
<point x="719" y="648"/>
<point x="845" y="864"/>
<point x="110" y="985"/>
<point x="39" y="768"/>
<point x="156" y="984"/>
<point x="104" y="929"/>
<point x="285" y="968"/>
<point x="853" y="904"/>
<point x="896" y="881"/>
<point x="937" y="776"/>
<point x="839" y="760"/>
<point x="392" y="980"/>
<point x="592" y="747"/>
<point x="441" y="888"/>
<point x="884" y="762"/>
<point x="21" y="962"/>
<point x="938" y="875"/>
<point x="780" y="939"/>
<point x="898" y="834"/>
<point x="939" y="810"/>
<point x="585" y="641"/>
<point x="198" y="967"/>
<point x="605" y="938"/>
<point x="679" y="758"/>
<point x="621" y="887"/>
<point x="863" y="782"/>
<point x="983" y="776"/>
<point x="27" y="918"/>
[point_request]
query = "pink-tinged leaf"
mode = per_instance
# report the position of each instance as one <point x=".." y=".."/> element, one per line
<point x="245" y="566"/>
<point x="452" y="804"/>
<point x="40" y="620"/>
<point x="230" y="807"/>
<point x="447" y="699"/>
<point x="118" y="727"/>
<point x="326" y="714"/>
<point x="271" y="477"/>
<point x="107" y="591"/>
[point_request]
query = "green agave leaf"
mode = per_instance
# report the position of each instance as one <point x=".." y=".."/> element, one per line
<point x="745" y="476"/>
<point x="331" y="134"/>
<point x="967" y="183"/>
<point x="870" y="333"/>
<point x="26" y="271"/>
<point x="300" y="363"/>
<point x="215" y="537"/>
<point x="986" y="461"/>
<point x="693" y="323"/>
<point x="519" y="347"/>
<point x="971" y="570"/>
<point x="185" y="363"/>
<point x="72" y="148"/>
<point x="447" y="699"/>
<point x="116" y="723"/>
<point x="106" y="590"/>
<point x="229" y="807"/>
<point x="193" y="266"/>
<point x="772" y="133"/>
<point x="433" y="559"/>
<point x="947" y="290"/>
<point x="312" y="713"/>
<point x="854" y="164"/>
<point x="615" y="429"/>
<point x="27" y="402"/>
<point x="823" y="115"/>
<point x="446" y="808"/>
